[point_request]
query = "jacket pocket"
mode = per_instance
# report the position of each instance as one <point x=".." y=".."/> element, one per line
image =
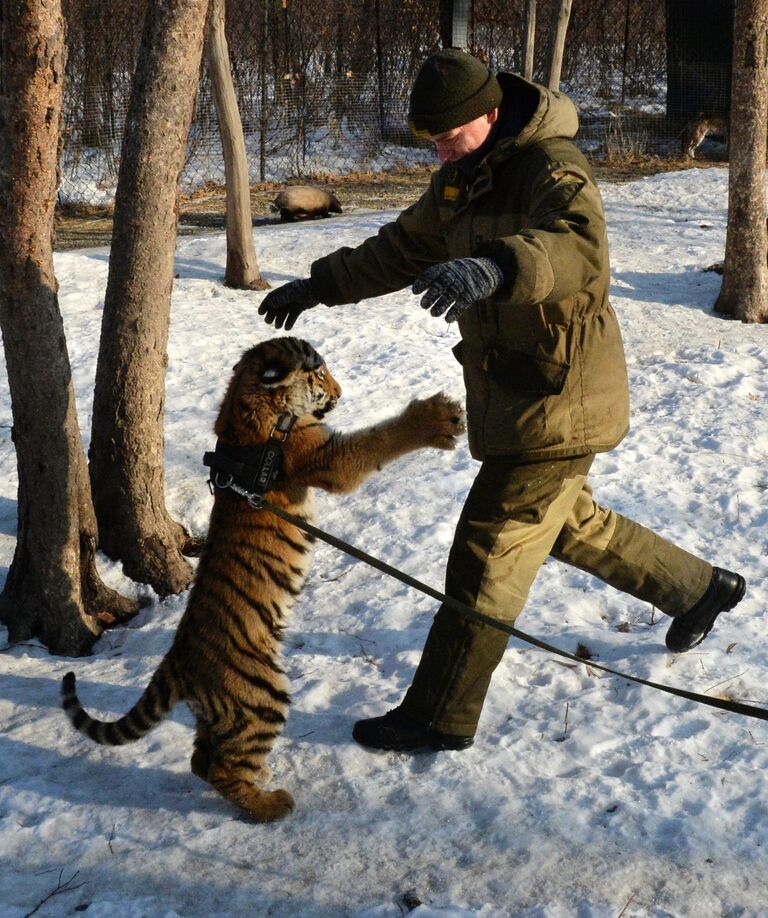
<point x="537" y="374"/>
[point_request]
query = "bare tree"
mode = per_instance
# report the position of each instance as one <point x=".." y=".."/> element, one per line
<point x="529" y="41"/>
<point x="126" y="454"/>
<point x="53" y="590"/>
<point x="744" y="292"/>
<point x="242" y="269"/>
<point x="558" y="44"/>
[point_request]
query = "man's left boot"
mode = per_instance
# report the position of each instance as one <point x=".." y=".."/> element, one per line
<point x="397" y="732"/>
<point x="725" y="591"/>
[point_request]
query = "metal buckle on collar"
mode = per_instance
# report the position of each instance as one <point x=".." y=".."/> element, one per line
<point x="254" y="500"/>
<point x="283" y="427"/>
<point x="220" y="480"/>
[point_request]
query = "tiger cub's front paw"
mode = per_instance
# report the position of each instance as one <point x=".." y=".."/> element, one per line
<point x="436" y="421"/>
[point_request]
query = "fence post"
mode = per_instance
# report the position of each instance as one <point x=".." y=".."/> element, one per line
<point x="264" y="114"/>
<point x="379" y="67"/>
<point x="626" y="55"/>
<point x="454" y="23"/>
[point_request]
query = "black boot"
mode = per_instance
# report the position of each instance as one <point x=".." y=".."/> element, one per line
<point x="448" y="689"/>
<point x="398" y="732"/>
<point x="725" y="590"/>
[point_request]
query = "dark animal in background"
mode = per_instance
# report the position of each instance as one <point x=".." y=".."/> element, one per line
<point x="696" y="130"/>
<point x="303" y="202"/>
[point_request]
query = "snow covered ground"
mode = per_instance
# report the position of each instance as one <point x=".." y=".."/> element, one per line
<point x="646" y="806"/>
<point x="89" y="175"/>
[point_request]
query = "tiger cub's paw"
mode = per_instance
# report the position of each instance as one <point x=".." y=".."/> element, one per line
<point x="276" y="804"/>
<point x="436" y="421"/>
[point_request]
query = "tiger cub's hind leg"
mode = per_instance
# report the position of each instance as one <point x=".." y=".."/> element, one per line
<point x="237" y="764"/>
<point x="201" y="757"/>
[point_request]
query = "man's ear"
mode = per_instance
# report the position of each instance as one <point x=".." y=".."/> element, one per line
<point x="493" y="116"/>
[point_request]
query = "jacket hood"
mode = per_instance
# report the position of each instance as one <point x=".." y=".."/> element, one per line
<point x="552" y="114"/>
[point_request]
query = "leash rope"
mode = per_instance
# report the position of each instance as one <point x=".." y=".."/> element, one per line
<point x="736" y="707"/>
<point x="258" y="472"/>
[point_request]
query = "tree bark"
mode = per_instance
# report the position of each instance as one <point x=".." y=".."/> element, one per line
<point x="529" y="40"/>
<point x="53" y="591"/>
<point x="744" y="292"/>
<point x="242" y="271"/>
<point x="126" y="454"/>
<point x="558" y="45"/>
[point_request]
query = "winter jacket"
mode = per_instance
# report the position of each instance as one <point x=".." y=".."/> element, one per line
<point x="542" y="358"/>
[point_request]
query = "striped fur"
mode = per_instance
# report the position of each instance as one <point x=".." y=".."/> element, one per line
<point x="225" y="659"/>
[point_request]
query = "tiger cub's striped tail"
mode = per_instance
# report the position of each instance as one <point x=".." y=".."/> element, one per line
<point x="154" y="706"/>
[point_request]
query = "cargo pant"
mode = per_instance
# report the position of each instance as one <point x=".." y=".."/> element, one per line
<point x="513" y="518"/>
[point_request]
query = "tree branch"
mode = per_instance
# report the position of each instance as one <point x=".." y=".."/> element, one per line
<point x="60" y="888"/>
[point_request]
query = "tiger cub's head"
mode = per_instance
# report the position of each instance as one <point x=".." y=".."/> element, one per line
<point x="279" y="376"/>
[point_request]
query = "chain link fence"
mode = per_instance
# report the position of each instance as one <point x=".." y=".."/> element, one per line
<point x="323" y="85"/>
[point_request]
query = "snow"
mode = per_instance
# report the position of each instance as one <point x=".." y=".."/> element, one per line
<point x="89" y="175"/>
<point x="646" y="806"/>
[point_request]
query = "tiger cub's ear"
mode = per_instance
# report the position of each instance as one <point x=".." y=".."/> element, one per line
<point x="273" y="374"/>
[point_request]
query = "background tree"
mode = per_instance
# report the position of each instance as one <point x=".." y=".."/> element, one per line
<point x="744" y="292"/>
<point x="126" y="454"/>
<point x="242" y="270"/>
<point x="529" y="39"/>
<point x="53" y="590"/>
<point x="558" y="44"/>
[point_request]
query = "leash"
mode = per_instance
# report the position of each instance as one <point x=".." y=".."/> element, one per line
<point x="259" y="502"/>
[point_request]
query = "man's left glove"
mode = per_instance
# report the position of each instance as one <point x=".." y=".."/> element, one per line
<point x="284" y="305"/>
<point x="455" y="285"/>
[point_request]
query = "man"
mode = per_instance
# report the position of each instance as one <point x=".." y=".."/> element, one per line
<point x="509" y="241"/>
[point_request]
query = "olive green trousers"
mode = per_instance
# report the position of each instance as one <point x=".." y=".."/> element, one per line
<point x="514" y="517"/>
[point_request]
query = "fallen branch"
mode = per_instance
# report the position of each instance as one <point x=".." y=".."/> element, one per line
<point x="628" y="903"/>
<point x="60" y="888"/>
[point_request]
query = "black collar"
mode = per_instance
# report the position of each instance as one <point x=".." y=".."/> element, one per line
<point x="252" y="469"/>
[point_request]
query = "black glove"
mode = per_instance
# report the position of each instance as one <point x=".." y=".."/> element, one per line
<point x="455" y="285"/>
<point x="284" y="305"/>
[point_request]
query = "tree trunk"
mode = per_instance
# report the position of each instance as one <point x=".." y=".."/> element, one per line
<point x="242" y="269"/>
<point x="558" y="45"/>
<point x="53" y="591"/>
<point x="744" y="292"/>
<point x="126" y="451"/>
<point x="530" y="38"/>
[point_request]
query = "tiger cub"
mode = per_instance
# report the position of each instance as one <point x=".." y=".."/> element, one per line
<point x="225" y="658"/>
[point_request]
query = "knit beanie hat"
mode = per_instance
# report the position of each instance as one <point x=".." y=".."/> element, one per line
<point x="452" y="88"/>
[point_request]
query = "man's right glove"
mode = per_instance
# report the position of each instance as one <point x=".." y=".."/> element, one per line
<point x="456" y="285"/>
<point x="284" y="305"/>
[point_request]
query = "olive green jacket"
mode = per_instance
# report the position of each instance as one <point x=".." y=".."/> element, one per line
<point x="542" y="358"/>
